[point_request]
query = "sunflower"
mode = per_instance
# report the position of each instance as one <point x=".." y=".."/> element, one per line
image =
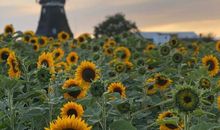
<point x="182" y="50"/>
<point x="177" y="58"/>
<point x="72" y="58"/>
<point x="165" y="50"/>
<point x="150" y="87"/>
<point x="27" y="36"/>
<point x="186" y="100"/>
<point x="118" y="88"/>
<point x="34" y="40"/>
<point x="61" y="66"/>
<point x="218" y="102"/>
<point x="173" y="43"/>
<point x="46" y="59"/>
<point x="14" y="71"/>
<point x="217" y="46"/>
<point x="79" y="92"/>
<point x="205" y="83"/>
<point x="58" y="54"/>
<point x="36" y="47"/>
<point x="108" y="51"/>
<point x="69" y="123"/>
<point x="72" y="109"/>
<point x="120" y="67"/>
<point x="9" y="29"/>
<point x="111" y="42"/>
<point x="150" y="47"/>
<point x="168" y="126"/>
<point x="42" y="41"/>
<point x="63" y="36"/>
<point x="122" y="53"/>
<point x="212" y="63"/>
<point x="81" y="39"/>
<point x="129" y="65"/>
<point x="4" y="54"/>
<point x="162" y="82"/>
<point x="86" y="72"/>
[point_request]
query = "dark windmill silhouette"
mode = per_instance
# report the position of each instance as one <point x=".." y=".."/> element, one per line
<point x="53" y="18"/>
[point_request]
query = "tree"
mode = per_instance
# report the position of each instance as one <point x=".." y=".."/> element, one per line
<point x="115" y="25"/>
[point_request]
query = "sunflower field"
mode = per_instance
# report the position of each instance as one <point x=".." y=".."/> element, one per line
<point x="123" y="82"/>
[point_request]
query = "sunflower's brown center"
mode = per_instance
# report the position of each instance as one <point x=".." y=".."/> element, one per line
<point x="169" y="115"/>
<point x="57" y="54"/>
<point x="27" y="38"/>
<point x="72" y="58"/>
<point x="41" y="41"/>
<point x="71" y="112"/>
<point x="35" y="47"/>
<point x="187" y="99"/>
<point x="5" y="55"/>
<point x="174" y="42"/>
<point x="9" y="30"/>
<point x="33" y="41"/>
<point x="68" y="129"/>
<point x="64" y="36"/>
<point x="118" y="90"/>
<point x="161" y="81"/>
<point x="45" y="63"/>
<point x="171" y="126"/>
<point x="210" y="64"/>
<point x="81" y="39"/>
<point x="88" y="74"/>
<point x="150" y="67"/>
<point x="109" y="51"/>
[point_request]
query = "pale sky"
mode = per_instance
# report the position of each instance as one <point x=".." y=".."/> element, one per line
<point x="201" y="16"/>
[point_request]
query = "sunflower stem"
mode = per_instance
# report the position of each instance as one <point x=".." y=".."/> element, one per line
<point x="11" y="108"/>
<point x="186" y="122"/>
<point x="104" y="113"/>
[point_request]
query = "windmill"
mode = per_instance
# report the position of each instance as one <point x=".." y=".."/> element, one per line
<point x="53" y="18"/>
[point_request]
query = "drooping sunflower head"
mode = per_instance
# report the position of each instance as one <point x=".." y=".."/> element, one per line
<point x="42" y="41"/>
<point x="61" y="67"/>
<point x="74" y="89"/>
<point x="63" y="36"/>
<point x="165" y="50"/>
<point x="97" y="88"/>
<point x="205" y="83"/>
<point x="58" y="54"/>
<point x="72" y="109"/>
<point x="86" y="72"/>
<point x="43" y="75"/>
<point x="122" y="53"/>
<point x="72" y="58"/>
<point x="117" y="87"/>
<point x="46" y="60"/>
<point x="108" y="51"/>
<point x="69" y="123"/>
<point x="14" y="70"/>
<point x="217" y="46"/>
<point x="212" y="63"/>
<point x="111" y="42"/>
<point x="124" y="107"/>
<point x="187" y="99"/>
<point x="162" y="82"/>
<point x="169" y="126"/>
<point x="4" y="54"/>
<point x="177" y="58"/>
<point x="9" y="29"/>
